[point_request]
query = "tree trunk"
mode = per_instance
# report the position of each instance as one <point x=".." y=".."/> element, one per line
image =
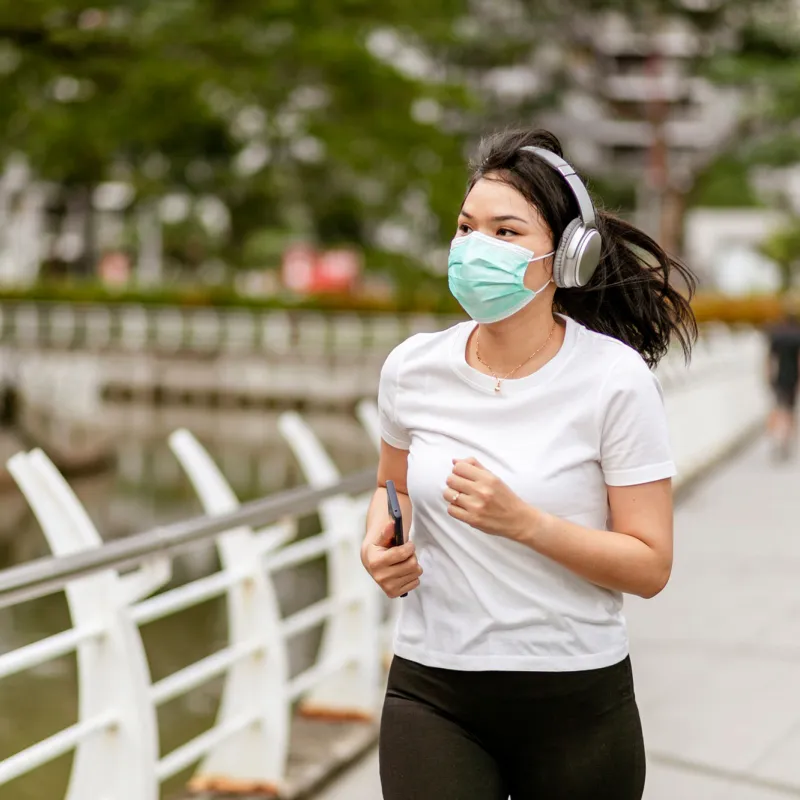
<point x="673" y="213"/>
<point x="80" y="220"/>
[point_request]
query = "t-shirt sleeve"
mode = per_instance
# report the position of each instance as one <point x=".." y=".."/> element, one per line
<point x="634" y="438"/>
<point x="392" y="430"/>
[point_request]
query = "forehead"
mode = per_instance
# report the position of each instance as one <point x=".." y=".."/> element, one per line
<point x="493" y="197"/>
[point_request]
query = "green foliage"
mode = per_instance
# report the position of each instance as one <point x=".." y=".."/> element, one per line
<point x="725" y="183"/>
<point x="783" y="247"/>
<point x="168" y="94"/>
<point x="617" y="196"/>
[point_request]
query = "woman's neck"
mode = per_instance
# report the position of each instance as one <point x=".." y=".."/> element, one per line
<point x="505" y="345"/>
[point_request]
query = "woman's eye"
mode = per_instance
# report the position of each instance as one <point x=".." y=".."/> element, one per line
<point x="464" y="228"/>
<point x="506" y="232"/>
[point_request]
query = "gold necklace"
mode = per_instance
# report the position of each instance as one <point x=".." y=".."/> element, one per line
<point x="519" y="366"/>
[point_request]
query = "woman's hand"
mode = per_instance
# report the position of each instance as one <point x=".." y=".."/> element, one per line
<point x="395" y="569"/>
<point x="479" y="498"/>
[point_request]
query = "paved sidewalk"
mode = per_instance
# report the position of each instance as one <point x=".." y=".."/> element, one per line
<point x="716" y="655"/>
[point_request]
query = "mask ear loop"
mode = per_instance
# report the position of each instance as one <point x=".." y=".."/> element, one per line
<point x="537" y="292"/>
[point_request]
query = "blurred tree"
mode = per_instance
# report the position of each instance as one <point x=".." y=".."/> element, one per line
<point x="319" y="118"/>
<point x="725" y="183"/>
<point x="342" y="121"/>
<point x="783" y="247"/>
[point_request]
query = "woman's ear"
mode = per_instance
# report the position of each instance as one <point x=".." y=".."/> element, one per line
<point x="549" y="264"/>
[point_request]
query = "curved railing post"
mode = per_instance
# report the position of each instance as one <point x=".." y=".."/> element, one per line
<point x="113" y="675"/>
<point x="257" y="756"/>
<point x="367" y="411"/>
<point x="352" y="691"/>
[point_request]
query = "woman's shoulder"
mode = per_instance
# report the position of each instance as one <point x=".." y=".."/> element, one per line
<point x="613" y="367"/>
<point x="608" y="353"/>
<point x="429" y="346"/>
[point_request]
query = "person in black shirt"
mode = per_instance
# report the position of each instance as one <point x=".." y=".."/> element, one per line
<point x="784" y="375"/>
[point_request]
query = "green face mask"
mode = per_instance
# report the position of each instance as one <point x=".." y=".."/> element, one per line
<point x="486" y="276"/>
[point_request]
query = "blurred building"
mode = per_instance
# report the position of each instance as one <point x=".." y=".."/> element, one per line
<point x="633" y="88"/>
<point x="779" y="186"/>
<point x="22" y="220"/>
<point x="638" y="112"/>
<point x="724" y="245"/>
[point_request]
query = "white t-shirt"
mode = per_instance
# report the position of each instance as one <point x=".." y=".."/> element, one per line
<point x="592" y="416"/>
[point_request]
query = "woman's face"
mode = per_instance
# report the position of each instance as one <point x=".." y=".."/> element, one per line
<point x="496" y="209"/>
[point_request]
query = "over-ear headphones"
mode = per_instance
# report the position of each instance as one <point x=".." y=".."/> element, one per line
<point x="578" y="253"/>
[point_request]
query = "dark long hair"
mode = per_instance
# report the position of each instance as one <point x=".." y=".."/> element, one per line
<point x="631" y="294"/>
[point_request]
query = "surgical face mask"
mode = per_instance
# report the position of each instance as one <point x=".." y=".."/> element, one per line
<point x="486" y="276"/>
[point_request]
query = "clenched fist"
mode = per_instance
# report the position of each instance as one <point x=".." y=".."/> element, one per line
<point x="478" y="497"/>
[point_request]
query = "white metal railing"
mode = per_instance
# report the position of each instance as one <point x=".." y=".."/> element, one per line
<point x="710" y="406"/>
<point x="248" y="744"/>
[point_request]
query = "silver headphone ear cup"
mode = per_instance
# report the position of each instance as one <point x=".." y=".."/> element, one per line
<point x="564" y="259"/>
<point x="587" y="256"/>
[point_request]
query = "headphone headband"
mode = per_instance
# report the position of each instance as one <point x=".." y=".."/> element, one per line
<point x="573" y="181"/>
<point x="578" y="252"/>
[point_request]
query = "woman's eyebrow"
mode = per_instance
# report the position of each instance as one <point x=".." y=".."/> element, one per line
<point x="506" y="217"/>
<point x="501" y="218"/>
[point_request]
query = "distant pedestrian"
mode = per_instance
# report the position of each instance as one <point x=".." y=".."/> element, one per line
<point x="530" y="450"/>
<point x="784" y="375"/>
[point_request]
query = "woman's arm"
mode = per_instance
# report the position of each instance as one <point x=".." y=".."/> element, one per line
<point x="393" y="465"/>
<point x="394" y="569"/>
<point x="635" y="557"/>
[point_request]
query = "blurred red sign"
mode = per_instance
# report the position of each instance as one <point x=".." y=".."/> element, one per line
<point x="332" y="271"/>
<point x="336" y="271"/>
<point x="297" y="270"/>
<point x="115" y="268"/>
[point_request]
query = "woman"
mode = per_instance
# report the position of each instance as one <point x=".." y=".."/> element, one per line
<point x="531" y="444"/>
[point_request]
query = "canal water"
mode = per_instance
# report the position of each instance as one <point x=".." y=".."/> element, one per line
<point x="145" y="488"/>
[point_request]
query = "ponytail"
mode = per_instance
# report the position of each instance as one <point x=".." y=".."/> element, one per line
<point x="631" y="295"/>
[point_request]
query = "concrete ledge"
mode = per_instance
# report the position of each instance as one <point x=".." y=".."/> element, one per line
<point x="689" y="479"/>
<point x="319" y="751"/>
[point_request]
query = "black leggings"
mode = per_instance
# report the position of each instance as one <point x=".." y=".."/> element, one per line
<point x="452" y="735"/>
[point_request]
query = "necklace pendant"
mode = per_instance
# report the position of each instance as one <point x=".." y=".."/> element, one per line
<point x="497" y="386"/>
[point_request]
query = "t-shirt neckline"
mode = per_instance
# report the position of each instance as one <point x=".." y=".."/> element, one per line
<point x="486" y="383"/>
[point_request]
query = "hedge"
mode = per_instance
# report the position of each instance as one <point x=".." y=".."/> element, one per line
<point x="754" y="310"/>
<point x="222" y="297"/>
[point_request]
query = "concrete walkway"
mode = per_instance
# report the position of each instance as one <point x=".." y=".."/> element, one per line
<point x="717" y="654"/>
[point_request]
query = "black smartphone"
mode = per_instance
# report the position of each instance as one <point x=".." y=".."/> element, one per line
<point x="396" y="514"/>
